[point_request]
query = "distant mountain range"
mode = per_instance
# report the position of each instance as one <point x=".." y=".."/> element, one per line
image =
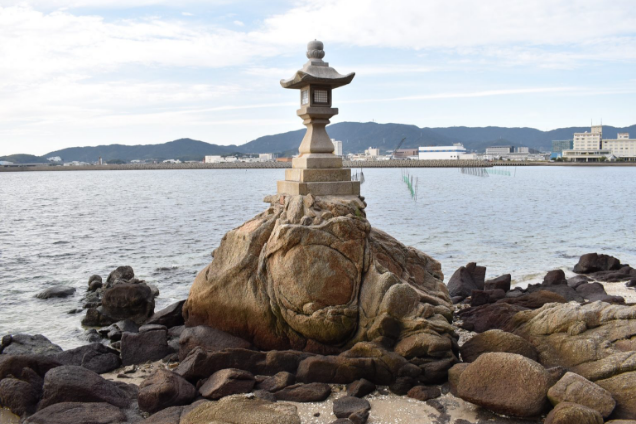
<point x="355" y="137"/>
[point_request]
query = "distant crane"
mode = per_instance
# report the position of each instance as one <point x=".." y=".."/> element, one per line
<point x="398" y="146"/>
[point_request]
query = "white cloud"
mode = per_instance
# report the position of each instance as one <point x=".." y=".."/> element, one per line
<point x="187" y="14"/>
<point x="238" y="23"/>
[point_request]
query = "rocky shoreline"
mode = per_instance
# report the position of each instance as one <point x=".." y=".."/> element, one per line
<point x="307" y="314"/>
<point x="554" y="335"/>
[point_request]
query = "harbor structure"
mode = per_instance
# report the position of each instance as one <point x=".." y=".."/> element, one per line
<point x="317" y="170"/>
<point x="441" y="152"/>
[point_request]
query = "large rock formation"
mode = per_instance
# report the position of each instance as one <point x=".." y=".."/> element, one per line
<point x="311" y="274"/>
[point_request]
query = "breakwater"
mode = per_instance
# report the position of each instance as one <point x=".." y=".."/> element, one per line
<point x="395" y="163"/>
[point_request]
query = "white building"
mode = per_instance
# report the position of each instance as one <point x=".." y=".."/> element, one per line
<point x="621" y="147"/>
<point x="442" y="152"/>
<point x="523" y="150"/>
<point x="373" y="152"/>
<point x="265" y="157"/>
<point x="54" y="159"/>
<point x="591" y="146"/>
<point x="172" y="161"/>
<point x="499" y="150"/>
<point x="589" y="140"/>
<point x="337" y="147"/>
<point x="213" y="159"/>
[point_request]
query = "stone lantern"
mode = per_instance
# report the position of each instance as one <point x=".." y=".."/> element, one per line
<point x="317" y="170"/>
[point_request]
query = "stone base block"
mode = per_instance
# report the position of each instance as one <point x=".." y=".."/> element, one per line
<point x="336" y="188"/>
<point x="318" y="175"/>
<point x="317" y="161"/>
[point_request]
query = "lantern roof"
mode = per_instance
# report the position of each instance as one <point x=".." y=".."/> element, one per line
<point x="316" y="71"/>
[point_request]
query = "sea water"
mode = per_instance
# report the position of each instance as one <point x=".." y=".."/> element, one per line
<point x="61" y="227"/>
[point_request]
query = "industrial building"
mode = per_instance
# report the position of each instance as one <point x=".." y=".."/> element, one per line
<point x="441" y="152"/>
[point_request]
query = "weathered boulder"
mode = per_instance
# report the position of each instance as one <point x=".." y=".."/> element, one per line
<point x="78" y="413"/>
<point x="241" y="410"/>
<point x="142" y="347"/>
<point x="227" y="382"/>
<point x="26" y="344"/>
<point x="95" y="357"/>
<point x="164" y="389"/>
<point x="505" y="383"/>
<point x="209" y="339"/>
<point x="19" y="396"/>
<point x="360" y="388"/>
<point x="583" y="338"/>
<point x="572" y="413"/>
<point x="170" y="316"/>
<point x="576" y="389"/>
<point x="345" y="406"/>
<point x="454" y="374"/>
<point x="315" y="276"/>
<point x="311" y="392"/>
<point x="71" y="383"/>
<point x="623" y="389"/>
<point x="466" y="279"/>
<point x="496" y="341"/>
<point x="596" y="291"/>
<point x="56" y="291"/>
<point x="592" y="262"/>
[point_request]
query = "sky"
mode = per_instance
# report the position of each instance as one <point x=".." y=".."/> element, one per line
<point x="92" y="72"/>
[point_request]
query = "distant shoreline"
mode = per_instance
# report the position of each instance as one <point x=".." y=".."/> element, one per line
<point x="283" y="165"/>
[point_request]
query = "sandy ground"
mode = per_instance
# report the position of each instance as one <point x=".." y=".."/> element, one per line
<point x="619" y="289"/>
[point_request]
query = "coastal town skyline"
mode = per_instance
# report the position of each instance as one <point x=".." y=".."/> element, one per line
<point x="147" y="71"/>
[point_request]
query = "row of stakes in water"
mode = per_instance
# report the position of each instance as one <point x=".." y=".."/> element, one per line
<point x="485" y="172"/>
<point x="411" y="183"/>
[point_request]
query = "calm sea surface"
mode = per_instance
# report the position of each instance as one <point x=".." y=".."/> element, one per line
<point x="61" y="227"/>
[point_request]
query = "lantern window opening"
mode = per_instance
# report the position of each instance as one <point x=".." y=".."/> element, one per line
<point x="321" y="96"/>
<point x="304" y="97"/>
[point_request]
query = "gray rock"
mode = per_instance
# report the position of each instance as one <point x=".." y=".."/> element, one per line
<point x="554" y="278"/>
<point x="25" y="344"/>
<point x="170" y="316"/>
<point x="236" y="409"/>
<point x="94" y="278"/>
<point x="345" y="406"/>
<point x="502" y="283"/>
<point x="95" y="285"/>
<point x="466" y="279"/>
<point x="78" y="413"/>
<point x="227" y="382"/>
<point x="576" y="281"/>
<point x="56" y="291"/>
<point x="19" y="396"/>
<point x="121" y="273"/>
<point x="152" y="327"/>
<point x="128" y="301"/>
<point x="142" y="347"/>
<point x="16" y="364"/>
<point x="592" y="262"/>
<point x="95" y="357"/>
<point x="70" y="383"/>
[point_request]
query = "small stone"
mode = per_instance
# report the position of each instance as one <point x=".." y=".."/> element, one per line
<point x="424" y="393"/>
<point x="56" y="291"/>
<point x="360" y="388"/>
<point x="347" y="405"/>
<point x="277" y="382"/>
<point x="311" y="392"/>
<point x="227" y="382"/>
<point x="402" y="385"/>
<point x="572" y="413"/>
